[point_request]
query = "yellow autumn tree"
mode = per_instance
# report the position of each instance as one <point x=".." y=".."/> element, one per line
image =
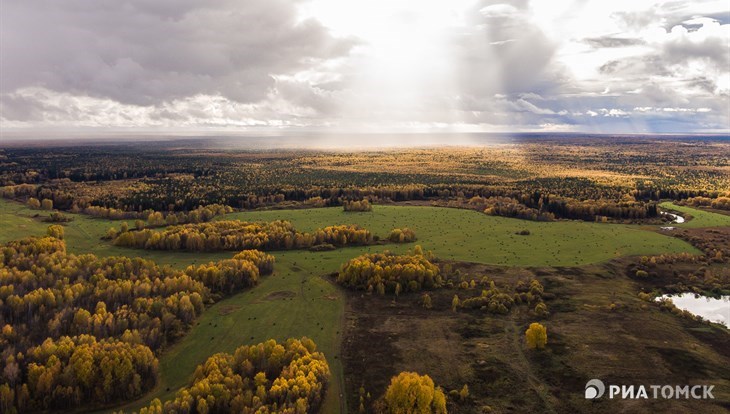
<point x="55" y="231"/>
<point x="411" y="393"/>
<point x="536" y="336"/>
<point x="33" y="203"/>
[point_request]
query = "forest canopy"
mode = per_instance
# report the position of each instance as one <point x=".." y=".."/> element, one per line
<point x="79" y="330"/>
<point x="269" y="377"/>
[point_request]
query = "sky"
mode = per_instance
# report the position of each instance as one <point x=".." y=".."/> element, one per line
<point x="364" y="66"/>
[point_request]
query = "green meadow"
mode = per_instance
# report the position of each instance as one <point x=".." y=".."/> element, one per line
<point x="466" y="235"/>
<point x="298" y="299"/>
<point x="697" y="218"/>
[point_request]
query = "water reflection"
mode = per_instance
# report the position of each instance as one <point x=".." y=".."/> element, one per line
<point x="676" y="218"/>
<point x="711" y="309"/>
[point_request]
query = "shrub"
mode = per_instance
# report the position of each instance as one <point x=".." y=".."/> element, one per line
<point x="55" y="231"/>
<point x="404" y="235"/>
<point x="362" y="205"/>
<point x="641" y="274"/>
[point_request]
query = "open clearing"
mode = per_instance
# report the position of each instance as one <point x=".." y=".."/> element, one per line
<point x="471" y="236"/>
<point x="453" y="234"/>
<point x="312" y="306"/>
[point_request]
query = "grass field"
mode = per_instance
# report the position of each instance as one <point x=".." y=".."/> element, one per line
<point x="451" y="233"/>
<point x="296" y="300"/>
<point x="700" y="218"/>
<point x="472" y="236"/>
<point x="293" y="302"/>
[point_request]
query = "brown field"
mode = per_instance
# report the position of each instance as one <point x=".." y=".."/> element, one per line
<point x="634" y="344"/>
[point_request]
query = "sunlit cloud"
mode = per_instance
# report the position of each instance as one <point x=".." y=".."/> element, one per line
<point x="382" y="65"/>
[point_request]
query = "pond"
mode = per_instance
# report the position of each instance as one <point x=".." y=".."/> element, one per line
<point x="711" y="309"/>
<point x="676" y="218"/>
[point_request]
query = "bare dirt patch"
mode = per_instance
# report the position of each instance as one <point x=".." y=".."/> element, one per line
<point x="228" y="309"/>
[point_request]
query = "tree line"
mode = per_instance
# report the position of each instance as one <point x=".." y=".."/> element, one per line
<point x="199" y="214"/>
<point x="543" y="203"/>
<point x="542" y="207"/>
<point x="720" y="203"/>
<point x="238" y="235"/>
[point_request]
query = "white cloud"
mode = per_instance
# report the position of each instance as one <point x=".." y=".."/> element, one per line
<point x="384" y="64"/>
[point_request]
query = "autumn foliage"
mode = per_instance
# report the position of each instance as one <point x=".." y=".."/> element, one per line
<point x="411" y="393"/>
<point x="265" y="378"/>
<point x="536" y="336"/>
<point x="404" y="235"/>
<point x="387" y="272"/>
<point x="720" y="203"/>
<point x="238" y="235"/>
<point x="83" y="330"/>
<point x="357" y="205"/>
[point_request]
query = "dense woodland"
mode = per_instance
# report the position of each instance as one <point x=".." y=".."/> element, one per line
<point x="288" y="378"/>
<point x="80" y="330"/>
<point x="238" y="235"/>
<point x="537" y="180"/>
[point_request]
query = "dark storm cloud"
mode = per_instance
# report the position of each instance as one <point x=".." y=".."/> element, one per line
<point x="146" y="52"/>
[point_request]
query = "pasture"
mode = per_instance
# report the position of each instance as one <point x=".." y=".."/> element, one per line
<point x="298" y="300"/>
<point x="471" y="236"/>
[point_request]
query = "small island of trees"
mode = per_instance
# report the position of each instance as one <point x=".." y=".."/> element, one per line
<point x="387" y="272"/>
<point x="404" y="235"/>
<point x="357" y="205"/>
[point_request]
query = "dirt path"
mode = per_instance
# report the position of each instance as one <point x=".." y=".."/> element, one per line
<point x="522" y="366"/>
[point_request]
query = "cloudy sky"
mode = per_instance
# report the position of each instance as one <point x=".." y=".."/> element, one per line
<point x="377" y="65"/>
